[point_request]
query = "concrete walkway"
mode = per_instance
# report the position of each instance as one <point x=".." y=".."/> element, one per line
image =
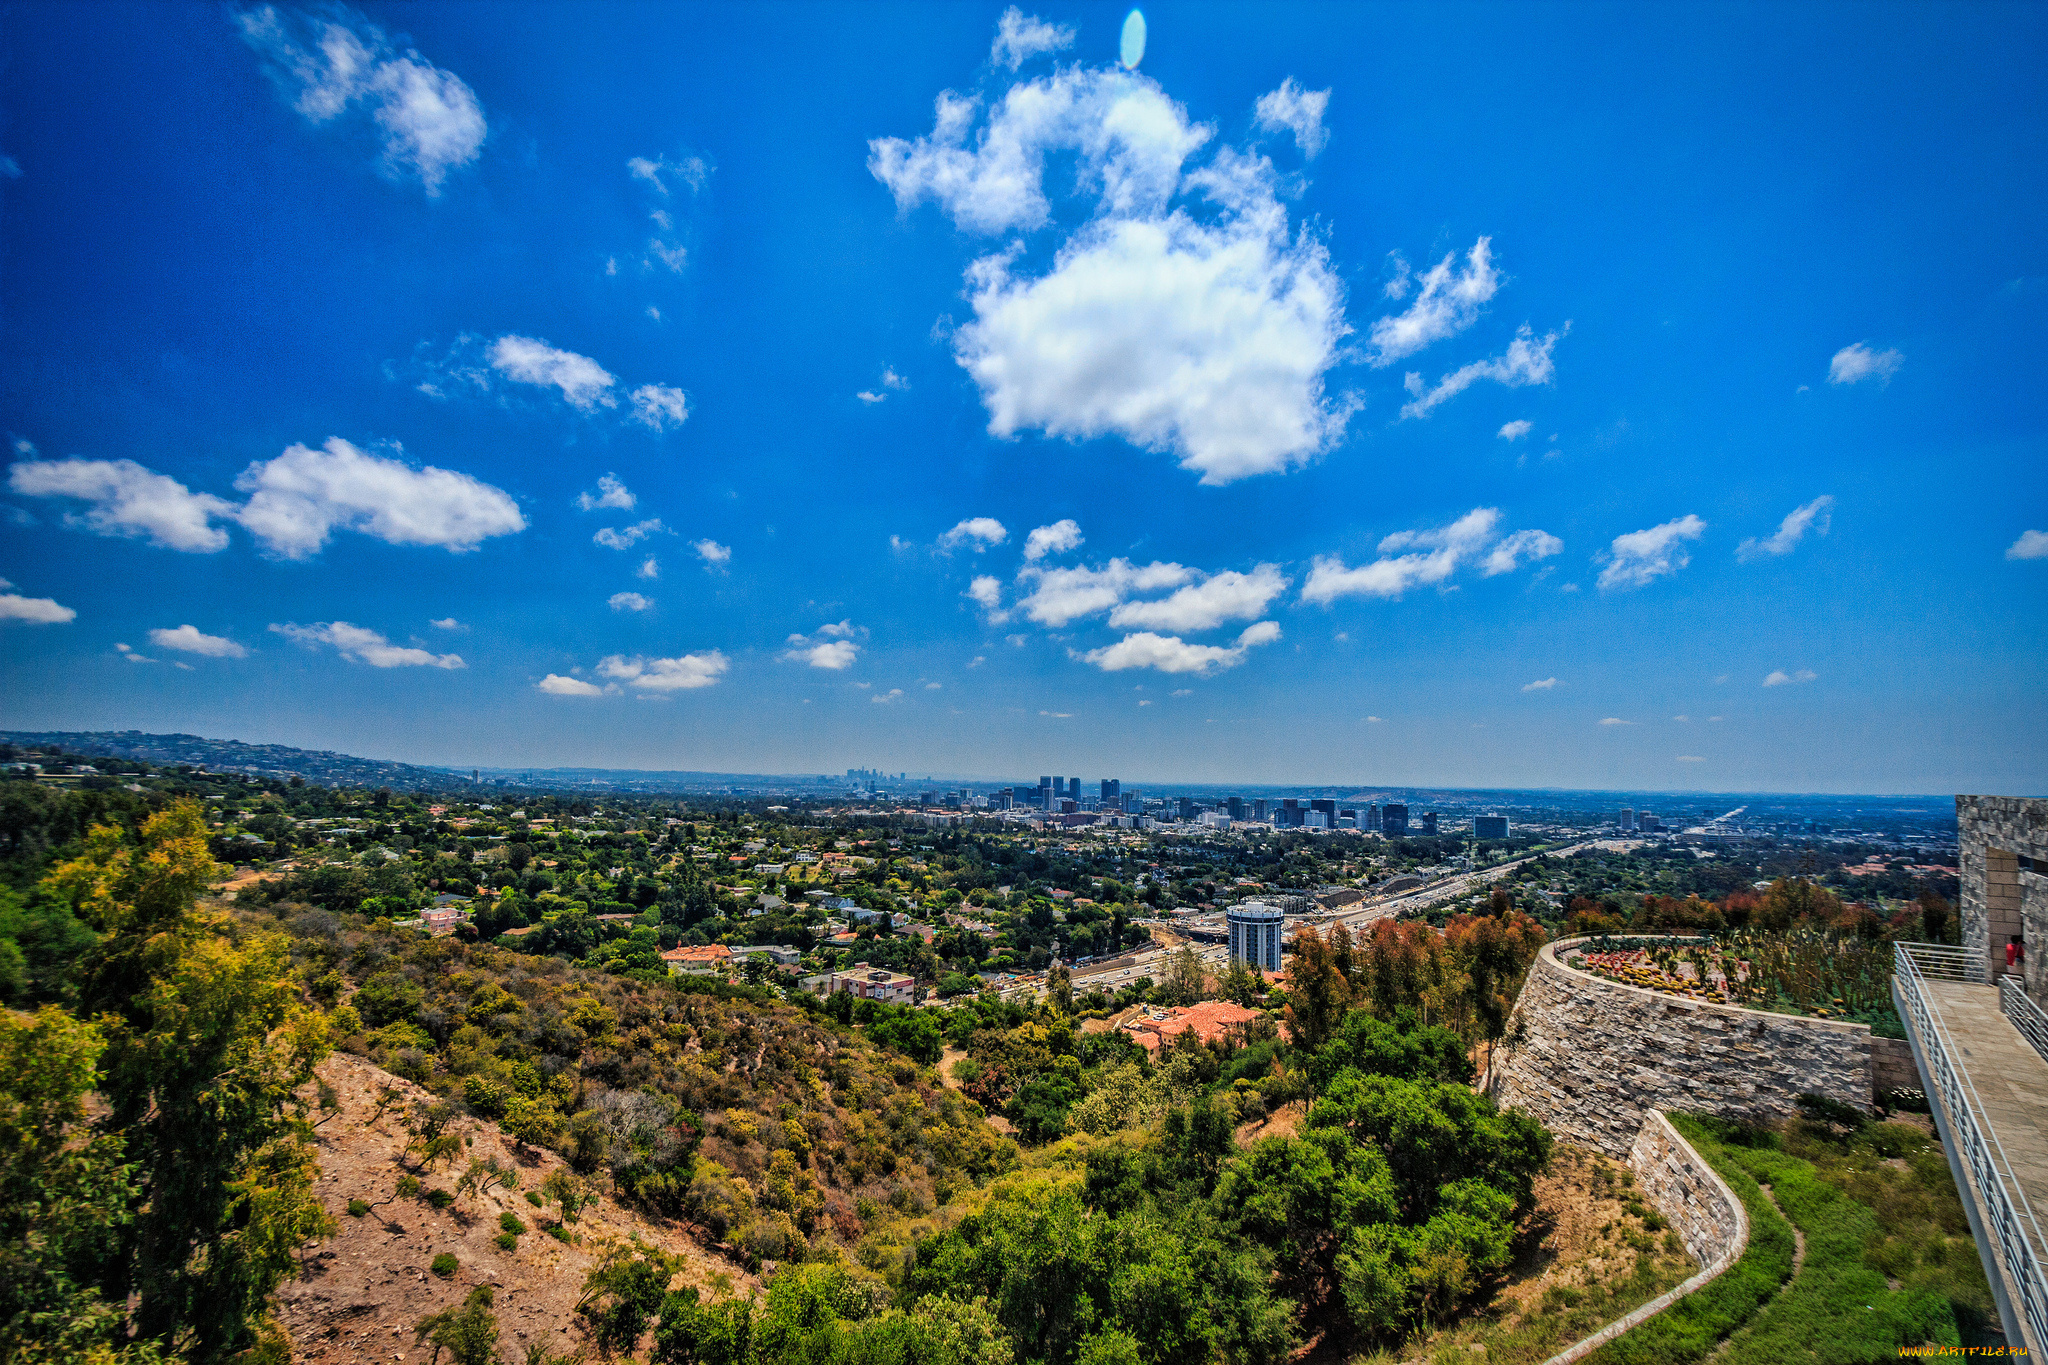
<point x="2011" y="1084"/>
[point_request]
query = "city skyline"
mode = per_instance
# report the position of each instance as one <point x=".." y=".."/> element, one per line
<point x="1397" y="397"/>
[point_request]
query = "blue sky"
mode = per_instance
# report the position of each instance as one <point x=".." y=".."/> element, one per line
<point x="1601" y="396"/>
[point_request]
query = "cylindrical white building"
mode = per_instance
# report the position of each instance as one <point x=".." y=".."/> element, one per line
<point x="1255" y="934"/>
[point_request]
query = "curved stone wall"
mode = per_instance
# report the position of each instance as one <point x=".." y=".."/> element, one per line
<point x="1589" y="1058"/>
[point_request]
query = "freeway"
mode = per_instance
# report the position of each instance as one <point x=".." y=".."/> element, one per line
<point x="1449" y="889"/>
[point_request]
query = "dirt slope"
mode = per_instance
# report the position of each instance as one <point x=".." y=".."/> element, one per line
<point x="366" y="1286"/>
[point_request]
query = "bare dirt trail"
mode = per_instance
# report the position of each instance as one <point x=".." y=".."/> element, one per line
<point x="366" y="1286"/>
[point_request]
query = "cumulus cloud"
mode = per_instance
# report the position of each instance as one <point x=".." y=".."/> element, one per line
<point x="1221" y="597"/>
<point x="1409" y="559"/>
<point x="1449" y="301"/>
<point x="1058" y="538"/>
<point x="1526" y="361"/>
<point x="628" y="601"/>
<point x="831" y="647"/>
<point x="1207" y="339"/>
<point x="582" y="382"/>
<point x="1170" y="654"/>
<point x="610" y="493"/>
<point x="428" y="119"/>
<point x="1814" y="516"/>
<point x="192" y="640"/>
<point x="884" y="698"/>
<point x="649" y="568"/>
<point x="1857" y="362"/>
<point x="555" y="685"/>
<point x="2030" y="545"/>
<point x="891" y="382"/>
<point x="33" y="611"/>
<point x="299" y="499"/>
<point x="693" y="171"/>
<point x="987" y="593"/>
<point x="366" y="646"/>
<point x="1616" y="720"/>
<point x="125" y="499"/>
<point x="296" y="501"/>
<point x="1298" y="111"/>
<point x="1060" y="595"/>
<point x="1515" y="430"/>
<point x="626" y="537"/>
<point x="980" y="532"/>
<point x="1540" y="685"/>
<point x="660" y="407"/>
<point x="1021" y="36"/>
<point x="1639" y="558"/>
<point x="683" y="673"/>
<point x="1777" y="677"/>
<point x="447" y="623"/>
<point x="713" y="554"/>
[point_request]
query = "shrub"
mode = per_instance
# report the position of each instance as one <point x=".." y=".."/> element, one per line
<point x="439" y="1198"/>
<point x="444" y="1266"/>
<point x="509" y="1221"/>
<point x="533" y="1198"/>
<point x="507" y="1241"/>
<point x="357" y="1208"/>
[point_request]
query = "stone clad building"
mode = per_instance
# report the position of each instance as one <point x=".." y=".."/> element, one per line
<point x="2004" y="842"/>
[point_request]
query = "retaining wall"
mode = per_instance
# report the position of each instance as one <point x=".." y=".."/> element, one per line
<point x="1892" y="1067"/>
<point x="1589" y="1058"/>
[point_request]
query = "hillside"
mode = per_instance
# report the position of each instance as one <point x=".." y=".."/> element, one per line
<point x="232" y="755"/>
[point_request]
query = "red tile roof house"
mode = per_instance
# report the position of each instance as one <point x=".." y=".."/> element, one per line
<point x="703" y="957"/>
<point x="1210" y="1020"/>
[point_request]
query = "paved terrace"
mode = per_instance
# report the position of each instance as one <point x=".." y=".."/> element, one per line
<point x="2011" y="1082"/>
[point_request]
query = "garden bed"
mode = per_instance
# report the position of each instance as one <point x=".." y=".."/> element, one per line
<point x="1799" y="972"/>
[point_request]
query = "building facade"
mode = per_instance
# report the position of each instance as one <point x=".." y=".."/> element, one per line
<point x="2004" y="846"/>
<point x="1489" y="827"/>
<point x="1395" y="820"/>
<point x="1255" y="931"/>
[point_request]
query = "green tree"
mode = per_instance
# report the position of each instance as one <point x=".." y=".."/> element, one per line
<point x="469" y="1333"/>
<point x="623" y="1290"/>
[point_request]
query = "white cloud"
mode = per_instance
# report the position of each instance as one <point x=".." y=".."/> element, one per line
<point x="1814" y="516"/>
<point x="1170" y="654"/>
<point x="1431" y="557"/>
<point x="1297" y="110"/>
<point x="693" y="171"/>
<point x="884" y="698"/>
<point x="660" y="407"/>
<point x="934" y="687"/>
<point x="713" y="554"/>
<point x="610" y="493"/>
<point x="649" y="568"/>
<point x="1507" y="556"/>
<point x="429" y="121"/>
<point x="584" y="383"/>
<point x="981" y="531"/>
<point x="1449" y="303"/>
<point x="34" y="611"/>
<point x="891" y="382"/>
<point x="836" y="651"/>
<point x="128" y="500"/>
<point x="1206" y="339"/>
<point x="2030" y="545"/>
<point x="1540" y="685"/>
<point x="625" y="537"/>
<point x="132" y="657"/>
<point x="192" y="640"/>
<point x="1856" y="362"/>
<point x="448" y="623"/>
<point x="1616" y="720"/>
<point x="1058" y="538"/>
<point x="628" y="601"/>
<point x="555" y="685"/>
<point x="298" y="499"/>
<point x="684" y="673"/>
<point x="1515" y="430"/>
<point x="987" y="593"/>
<point x="1526" y="361"/>
<point x="1205" y="605"/>
<point x="1061" y="595"/>
<point x="366" y="646"/>
<point x="1777" y="677"/>
<point x="1641" y="557"/>
<point x="1021" y="36"/>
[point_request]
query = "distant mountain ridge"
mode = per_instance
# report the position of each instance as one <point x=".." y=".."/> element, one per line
<point x="232" y="755"/>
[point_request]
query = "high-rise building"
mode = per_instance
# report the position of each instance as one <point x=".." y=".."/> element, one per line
<point x="1073" y="791"/>
<point x="1112" y="792"/>
<point x="1489" y="827"/>
<point x="1255" y="929"/>
<point x="1372" y="818"/>
<point x="1649" y="823"/>
<point x="1234" y="808"/>
<point x="1134" y="803"/>
<point x="1628" y="820"/>
<point x="1429" y="822"/>
<point x="1395" y="820"/>
<point x="1261" y="808"/>
<point x="1187" y="808"/>
<point x="1045" y="793"/>
<point x="1328" y="810"/>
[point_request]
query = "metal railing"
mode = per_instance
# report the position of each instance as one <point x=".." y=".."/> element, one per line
<point x="2007" y="1215"/>
<point x="2023" y="1014"/>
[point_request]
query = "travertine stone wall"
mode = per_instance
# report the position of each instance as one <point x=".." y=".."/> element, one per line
<point x="1686" y="1190"/>
<point x="1892" y="1067"/>
<point x="1999" y="898"/>
<point x="1589" y="1058"/>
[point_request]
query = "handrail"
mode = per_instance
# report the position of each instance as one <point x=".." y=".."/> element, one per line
<point x="2023" y="1014"/>
<point x="2007" y="1214"/>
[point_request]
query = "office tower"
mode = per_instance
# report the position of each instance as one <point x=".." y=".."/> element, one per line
<point x="1045" y="789"/>
<point x="1395" y="819"/>
<point x="1187" y="808"/>
<point x="1261" y="809"/>
<point x="1112" y="792"/>
<point x="1628" y="819"/>
<point x="1328" y="810"/>
<point x="1429" y="822"/>
<point x="1255" y="929"/>
<point x="1234" y="808"/>
<point x="1372" y="818"/>
<point x="1489" y="827"/>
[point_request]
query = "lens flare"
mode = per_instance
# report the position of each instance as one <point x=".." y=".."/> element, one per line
<point x="1133" y="46"/>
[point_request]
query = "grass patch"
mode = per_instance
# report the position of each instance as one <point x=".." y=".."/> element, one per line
<point x="444" y="1266"/>
<point x="509" y="1221"/>
<point x="507" y="1241"/>
<point x="357" y="1208"/>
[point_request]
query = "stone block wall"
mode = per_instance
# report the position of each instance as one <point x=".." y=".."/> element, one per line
<point x="1686" y="1190"/>
<point x="1892" y="1067"/>
<point x="2000" y="898"/>
<point x="1589" y="1058"/>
